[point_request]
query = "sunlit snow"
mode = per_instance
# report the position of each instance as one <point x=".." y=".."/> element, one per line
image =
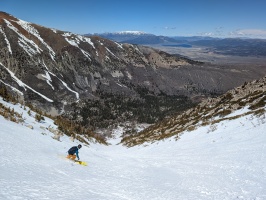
<point x="47" y="76"/>
<point x="12" y="88"/>
<point x="26" y="25"/>
<point x="75" y="40"/>
<point x="119" y="45"/>
<point x="76" y="93"/>
<point x="28" y="45"/>
<point x="226" y="163"/>
<point x="112" y="53"/>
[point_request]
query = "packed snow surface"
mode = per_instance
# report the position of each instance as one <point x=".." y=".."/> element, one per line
<point x="226" y="163"/>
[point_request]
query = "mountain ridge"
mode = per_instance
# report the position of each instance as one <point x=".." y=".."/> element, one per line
<point x="224" y="46"/>
<point x="66" y="73"/>
<point x="250" y="98"/>
<point x="141" y="38"/>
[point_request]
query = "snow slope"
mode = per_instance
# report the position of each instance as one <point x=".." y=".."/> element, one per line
<point x="226" y="163"/>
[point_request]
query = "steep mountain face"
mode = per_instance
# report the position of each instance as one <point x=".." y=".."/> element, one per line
<point x="92" y="79"/>
<point x="52" y="66"/>
<point x="249" y="98"/>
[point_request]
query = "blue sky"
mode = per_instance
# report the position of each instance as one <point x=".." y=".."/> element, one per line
<point x="218" y="18"/>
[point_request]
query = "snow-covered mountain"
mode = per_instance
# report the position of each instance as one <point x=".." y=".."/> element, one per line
<point x="132" y="33"/>
<point x="98" y="82"/>
<point x="138" y="37"/>
<point x="226" y="162"/>
<point x="122" y="36"/>
<point x="53" y="69"/>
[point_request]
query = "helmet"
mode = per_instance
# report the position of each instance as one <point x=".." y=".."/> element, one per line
<point x="79" y="146"/>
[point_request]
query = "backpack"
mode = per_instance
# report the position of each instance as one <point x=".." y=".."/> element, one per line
<point x="72" y="150"/>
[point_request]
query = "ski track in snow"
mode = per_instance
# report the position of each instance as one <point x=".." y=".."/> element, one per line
<point x="228" y="163"/>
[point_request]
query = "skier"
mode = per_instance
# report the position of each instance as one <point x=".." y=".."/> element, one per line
<point x="72" y="151"/>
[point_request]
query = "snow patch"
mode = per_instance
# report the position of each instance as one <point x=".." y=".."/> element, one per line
<point x="54" y="30"/>
<point x="119" y="45"/>
<point x="26" y="26"/>
<point x="21" y="84"/>
<point x="121" y="85"/>
<point x="117" y="74"/>
<point x="112" y="53"/>
<point x="49" y="81"/>
<point x="47" y="76"/>
<point x="14" y="89"/>
<point x="75" y="40"/>
<point x="72" y="41"/>
<point x="28" y="45"/>
<point x="100" y="43"/>
<point x="86" y="54"/>
<point x="7" y="41"/>
<point x="129" y="75"/>
<point x="86" y="39"/>
<point x="76" y="93"/>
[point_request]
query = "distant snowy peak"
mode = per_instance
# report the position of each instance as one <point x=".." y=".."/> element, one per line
<point x="132" y="33"/>
<point x="138" y="37"/>
<point x="124" y="34"/>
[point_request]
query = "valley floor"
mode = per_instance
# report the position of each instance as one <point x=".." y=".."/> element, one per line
<point x="227" y="163"/>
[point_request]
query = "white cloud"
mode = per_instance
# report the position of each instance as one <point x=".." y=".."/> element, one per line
<point x="253" y="33"/>
<point x="169" y="28"/>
